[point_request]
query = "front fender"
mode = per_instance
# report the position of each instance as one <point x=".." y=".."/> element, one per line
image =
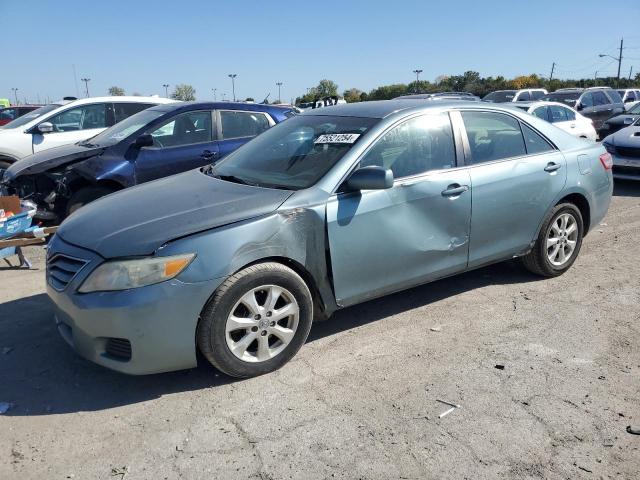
<point x="296" y="234"/>
<point x="101" y="168"/>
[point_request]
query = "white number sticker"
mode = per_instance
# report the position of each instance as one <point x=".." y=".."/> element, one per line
<point x="337" y="138"/>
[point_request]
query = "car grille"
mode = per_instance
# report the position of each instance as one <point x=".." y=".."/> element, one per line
<point x="628" y="152"/>
<point x="118" y="348"/>
<point x="61" y="269"/>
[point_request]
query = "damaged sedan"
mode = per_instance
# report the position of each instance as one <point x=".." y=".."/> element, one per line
<point x="157" y="142"/>
<point x="326" y="210"/>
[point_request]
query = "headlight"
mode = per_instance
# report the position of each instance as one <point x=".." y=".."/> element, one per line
<point x="125" y="274"/>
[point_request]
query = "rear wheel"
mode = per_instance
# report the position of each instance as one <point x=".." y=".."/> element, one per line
<point x="558" y="242"/>
<point x="86" y="195"/>
<point x="256" y="321"/>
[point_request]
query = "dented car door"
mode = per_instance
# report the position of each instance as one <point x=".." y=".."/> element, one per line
<point x="386" y="240"/>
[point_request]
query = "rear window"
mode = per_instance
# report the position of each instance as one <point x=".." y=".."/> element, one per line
<point x="500" y="96"/>
<point x="23" y="120"/>
<point x="569" y="98"/>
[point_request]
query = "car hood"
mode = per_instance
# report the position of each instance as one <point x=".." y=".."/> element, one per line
<point x="139" y="220"/>
<point x="627" y="137"/>
<point x="49" y="159"/>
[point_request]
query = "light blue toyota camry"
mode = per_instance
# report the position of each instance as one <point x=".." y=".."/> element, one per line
<point x="326" y="210"/>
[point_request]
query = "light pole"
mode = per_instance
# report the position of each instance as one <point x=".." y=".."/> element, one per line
<point x="417" y="72"/>
<point x="166" y="89"/>
<point x="223" y="97"/>
<point x="279" y="84"/>
<point x="15" y="92"/>
<point x="233" y="76"/>
<point x="214" y="93"/>
<point x="617" y="59"/>
<point x="86" y="85"/>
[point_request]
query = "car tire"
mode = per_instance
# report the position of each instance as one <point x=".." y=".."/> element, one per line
<point x="232" y="336"/>
<point x="558" y="243"/>
<point x="4" y="164"/>
<point x="84" y="196"/>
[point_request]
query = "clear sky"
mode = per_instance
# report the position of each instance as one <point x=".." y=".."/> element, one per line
<point x="140" y="45"/>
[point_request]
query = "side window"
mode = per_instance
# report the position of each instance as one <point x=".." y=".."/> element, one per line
<point x="537" y="94"/>
<point x="80" y="118"/>
<point x="184" y="129"/>
<point x="613" y="95"/>
<point x="493" y="136"/>
<point x="125" y="110"/>
<point x="599" y="99"/>
<point x="535" y="143"/>
<point x="8" y="114"/>
<point x="631" y="96"/>
<point x="239" y="124"/>
<point x="587" y="100"/>
<point x="571" y="115"/>
<point x="416" y="146"/>
<point x="524" y="97"/>
<point x="542" y="112"/>
<point x="558" y="114"/>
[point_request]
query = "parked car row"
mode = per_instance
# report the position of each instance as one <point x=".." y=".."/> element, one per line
<point x="159" y="141"/>
<point x="9" y="114"/>
<point x="236" y="259"/>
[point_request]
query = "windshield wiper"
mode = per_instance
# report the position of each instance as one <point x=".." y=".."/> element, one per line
<point x="234" y="179"/>
<point x="88" y="144"/>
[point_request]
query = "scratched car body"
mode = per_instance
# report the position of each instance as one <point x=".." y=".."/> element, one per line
<point x="326" y="210"/>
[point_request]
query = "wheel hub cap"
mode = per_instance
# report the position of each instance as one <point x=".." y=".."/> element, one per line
<point x="562" y="239"/>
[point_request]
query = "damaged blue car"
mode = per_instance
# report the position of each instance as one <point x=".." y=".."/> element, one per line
<point x="157" y="142"/>
<point x="326" y="210"/>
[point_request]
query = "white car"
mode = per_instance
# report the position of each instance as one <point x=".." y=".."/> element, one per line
<point x="65" y="122"/>
<point x="561" y="116"/>
<point x="630" y="97"/>
<point x="522" y="95"/>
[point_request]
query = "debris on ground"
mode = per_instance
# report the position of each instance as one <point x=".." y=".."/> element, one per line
<point x="120" y="471"/>
<point x="499" y="367"/>
<point x="447" y="412"/>
<point x="437" y="328"/>
<point x="5" y="407"/>
<point x="633" y="430"/>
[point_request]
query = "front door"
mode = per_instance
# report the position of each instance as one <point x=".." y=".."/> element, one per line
<point x="386" y="240"/>
<point x="515" y="176"/>
<point x="182" y="143"/>
<point x="74" y="125"/>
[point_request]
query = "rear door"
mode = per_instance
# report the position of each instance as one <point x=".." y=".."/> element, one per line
<point x="603" y="108"/>
<point x="515" y="176"/>
<point x="237" y="127"/>
<point x="72" y="125"/>
<point x="122" y="110"/>
<point x="181" y="143"/>
<point x="386" y="240"/>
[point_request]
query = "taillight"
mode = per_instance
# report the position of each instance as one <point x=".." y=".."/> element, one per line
<point x="606" y="160"/>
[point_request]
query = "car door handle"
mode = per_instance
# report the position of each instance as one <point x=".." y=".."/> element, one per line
<point x="552" y="167"/>
<point x="208" y="155"/>
<point x="454" y="189"/>
<point x="573" y="125"/>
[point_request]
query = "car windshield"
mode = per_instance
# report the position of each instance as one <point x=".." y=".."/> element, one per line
<point x="123" y="129"/>
<point x="500" y="96"/>
<point x="569" y="98"/>
<point x="32" y="115"/>
<point x="635" y="109"/>
<point x="294" y="154"/>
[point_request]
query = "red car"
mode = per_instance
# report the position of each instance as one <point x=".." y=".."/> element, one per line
<point x="11" y="113"/>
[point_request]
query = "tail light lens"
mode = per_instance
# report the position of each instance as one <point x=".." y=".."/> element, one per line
<point x="606" y="160"/>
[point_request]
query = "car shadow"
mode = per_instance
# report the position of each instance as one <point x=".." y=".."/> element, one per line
<point x="41" y="375"/>
<point x="626" y="188"/>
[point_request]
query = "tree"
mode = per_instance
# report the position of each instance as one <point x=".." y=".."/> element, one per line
<point x="326" y="88"/>
<point x="249" y="99"/>
<point x="352" y="95"/>
<point x="116" y="91"/>
<point x="184" y="92"/>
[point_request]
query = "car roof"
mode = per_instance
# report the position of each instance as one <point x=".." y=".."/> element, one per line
<point x="187" y="106"/>
<point x="116" y="99"/>
<point x="385" y="108"/>
<point x="535" y="103"/>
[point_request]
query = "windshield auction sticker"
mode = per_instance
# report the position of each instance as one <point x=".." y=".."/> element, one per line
<point x="337" y="138"/>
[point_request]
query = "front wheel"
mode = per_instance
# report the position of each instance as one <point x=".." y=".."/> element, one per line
<point x="256" y="321"/>
<point x="85" y="195"/>
<point x="558" y="242"/>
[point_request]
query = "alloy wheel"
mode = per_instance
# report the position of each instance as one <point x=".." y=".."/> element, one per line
<point x="562" y="239"/>
<point x="262" y="323"/>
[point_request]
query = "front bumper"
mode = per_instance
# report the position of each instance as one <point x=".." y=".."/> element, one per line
<point x="158" y="322"/>
<point x="626" y="168"/>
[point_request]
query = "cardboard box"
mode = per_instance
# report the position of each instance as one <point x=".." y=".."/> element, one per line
<point x="10" y="204"/>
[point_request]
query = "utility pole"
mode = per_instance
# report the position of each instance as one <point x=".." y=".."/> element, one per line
<point x="279" y="84"/>
<point x="214" y="93"/>
<point x="417" y="72"/>
<point x="166" y="89"/>
<point x="553" y="67"/>
<point x="595" y="78"/>
<point x="618" y="59"/>
<point x="233" y="76"/>
<point x="86" y="85"/>
<point x="15" y="92"/>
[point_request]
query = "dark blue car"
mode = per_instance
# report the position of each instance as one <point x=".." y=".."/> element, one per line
<point x="157" y="142"/>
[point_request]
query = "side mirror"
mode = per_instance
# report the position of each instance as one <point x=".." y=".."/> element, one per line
<point x="145" y="140"/>
<point x="370" y="178"/>
<point x="579" y="107"/>
<point x="45" y="127"/>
